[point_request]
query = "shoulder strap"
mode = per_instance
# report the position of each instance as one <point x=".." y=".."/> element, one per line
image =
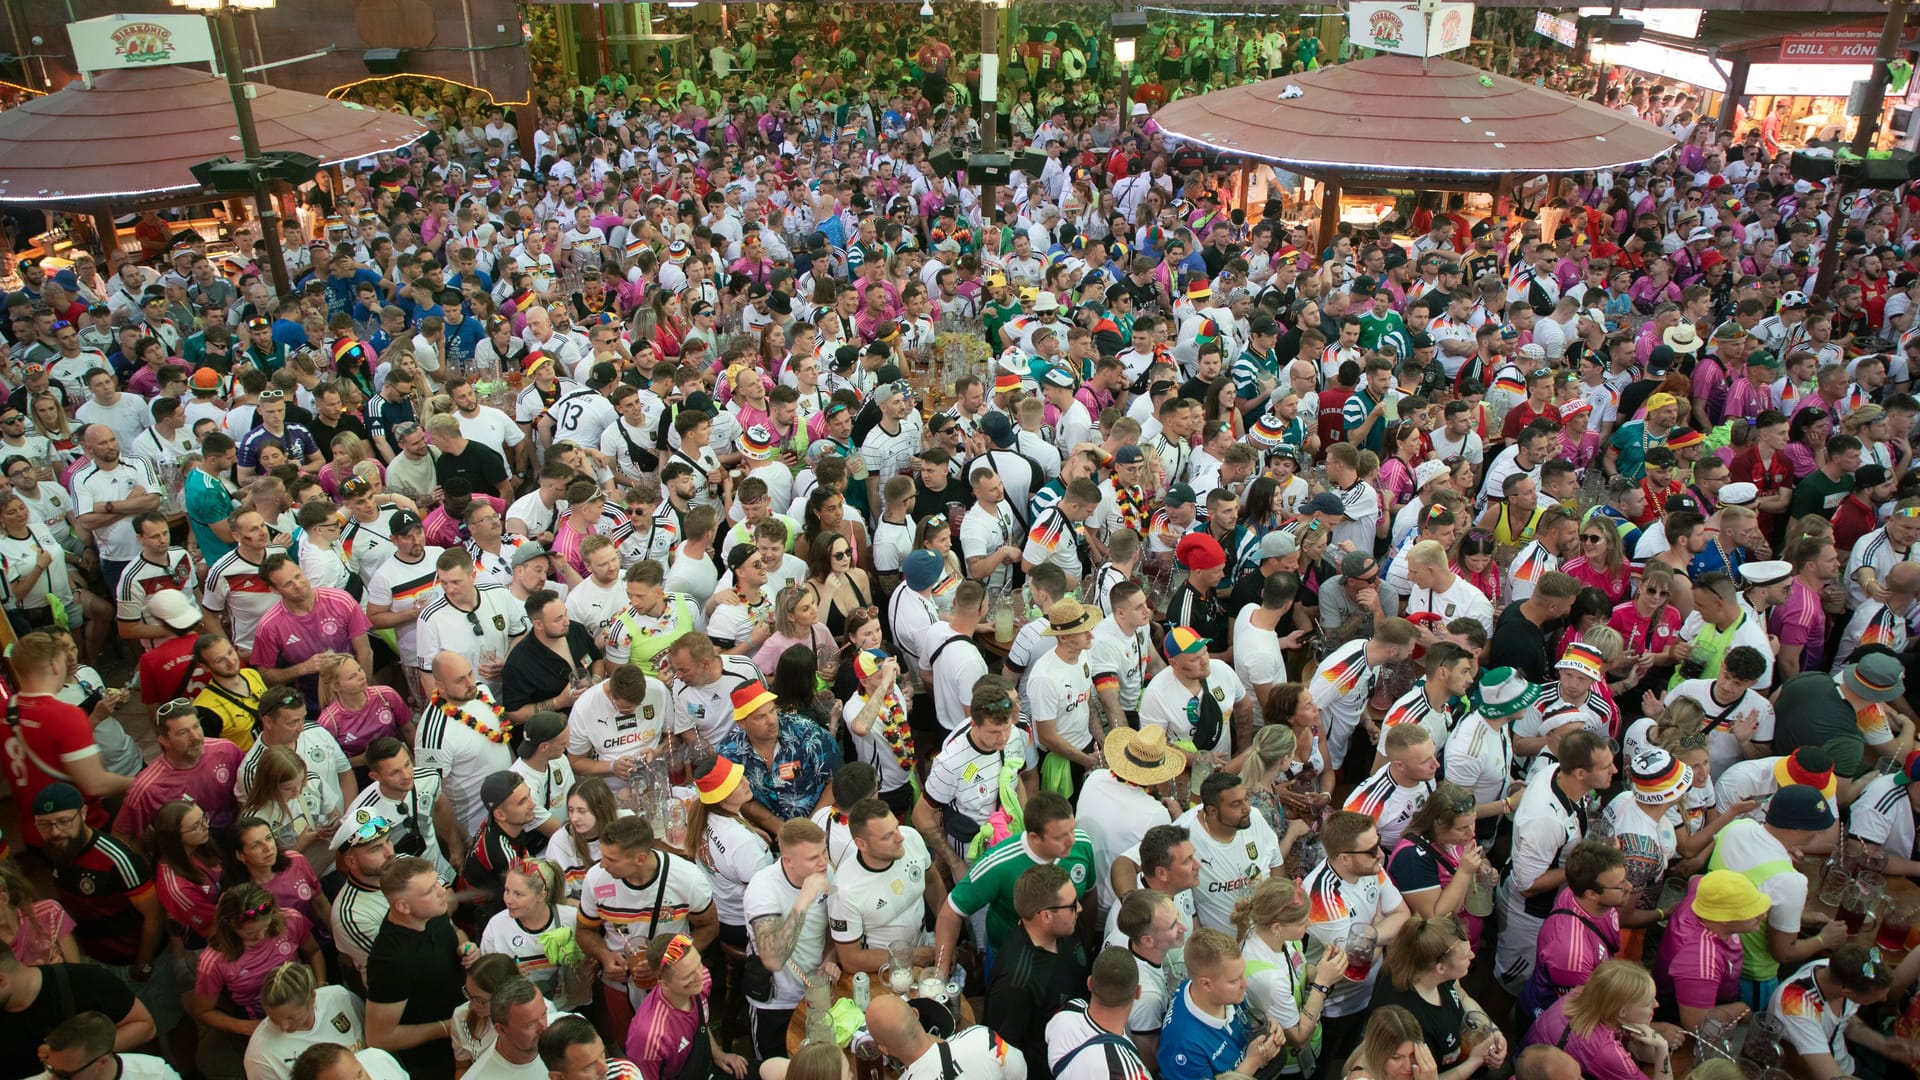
<point x="659" y="894"/>
<point x="1612" y="942"/>
<point x="935" y="658"/>
<point x="1104" y="1038"/>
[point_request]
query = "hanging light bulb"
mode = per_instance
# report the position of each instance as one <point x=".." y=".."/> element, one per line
<point x="926" y="9"/>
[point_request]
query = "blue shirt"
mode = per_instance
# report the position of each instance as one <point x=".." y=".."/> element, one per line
<point x="803" y="761"/>
<point x="1195" y="1046"/>
<point x="462" y="340"/>
<point x="478" y="277"/>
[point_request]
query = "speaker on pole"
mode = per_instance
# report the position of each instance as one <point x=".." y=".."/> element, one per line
<point x="1031" y="161"/>
<point x="996" y="169"/>
<point x="290" y="166"/>
<point x="385" y="61"/>
<point x="947" y="162"/>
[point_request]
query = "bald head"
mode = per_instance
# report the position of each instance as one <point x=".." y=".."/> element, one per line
<point x="1544" y="1062"/>
<point x="896" y="1027"/>
<point x="448" y="664"/>
<point x="1904" y="579"/>
<point x="453" y="677"/>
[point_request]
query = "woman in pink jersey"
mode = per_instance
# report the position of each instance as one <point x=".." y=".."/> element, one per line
<point x="37" y="931"/>
<point x="186" y="867"/>
<point x="251" y="936"/>
<point x="354" y="711"/>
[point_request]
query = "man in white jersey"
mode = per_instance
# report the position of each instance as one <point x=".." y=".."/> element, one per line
<point x="1236" y="848"/>
<point x="881" y="896"/>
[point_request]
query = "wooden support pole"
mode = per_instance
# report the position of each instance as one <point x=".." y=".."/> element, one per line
<point x="1329" y="212"/>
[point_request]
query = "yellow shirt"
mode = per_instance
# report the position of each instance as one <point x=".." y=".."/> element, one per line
<point x="235" y="714"/>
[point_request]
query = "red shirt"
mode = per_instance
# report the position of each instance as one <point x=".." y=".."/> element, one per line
<point x="165" y="668"/>
<point x="1522" y="414"/>
<point x="1330" y="422"/>
<point x="1656" y="501"/>
<point x="41" y="748"/>
<point x="1853" y="520"/>
<point x="1768" y="478"/>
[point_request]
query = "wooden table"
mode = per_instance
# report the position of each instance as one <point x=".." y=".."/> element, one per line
<point x="1900" y="890"/>
<point x="843" y="989"/>
<point x="983" y="636"/>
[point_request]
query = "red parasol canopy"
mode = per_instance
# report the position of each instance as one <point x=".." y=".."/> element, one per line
<point x="1385" y="114"/>
<point x="137" y="132"/>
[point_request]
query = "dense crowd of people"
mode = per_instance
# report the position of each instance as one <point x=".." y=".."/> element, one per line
<point x="594" y="614"/>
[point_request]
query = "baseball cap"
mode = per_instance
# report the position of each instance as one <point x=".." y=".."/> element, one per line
<point x="1325" y="503"/>
<point x="1800" y="808"/>
<point x="173" y="608"/>
<point x="1278" y="544"/>
<point x="498" y="787"/>
<point x="57" y="797"/>
<point x="526" y="553"/>
<point x="402" y="522"/>
<point x="542" y="727"/>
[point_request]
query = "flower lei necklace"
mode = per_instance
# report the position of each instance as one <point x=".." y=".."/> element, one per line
<point x="458" y="714"/>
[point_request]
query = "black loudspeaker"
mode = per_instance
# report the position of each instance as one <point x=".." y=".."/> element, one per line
<point x="994" y="169"/>
<point x="1031" y="162"/>
<point x="1619" y="31"/>
<point x="1811" y="167"/>
<point x="291" y="166"/>
<point x="385" y="61"/>
<point x="946" y="163"/>
<point x="204" y="173"/>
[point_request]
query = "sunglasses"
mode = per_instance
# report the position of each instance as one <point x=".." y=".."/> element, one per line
<point x="264" y="907"/>
<point x="1374" y="850"/>
<point x="1591" y="539"/>
<point x="272" y="395"/>
<point x="173" y="708"/>
<point x="69" y="1074"/>
<point x="371" y="829"/>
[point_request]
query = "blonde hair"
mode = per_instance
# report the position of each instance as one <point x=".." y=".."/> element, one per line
<point x="1207" y="949"/>
<point x="1276" y="900"/>
<point x="1388" y="1029"/>
<point x="330" y="676"/>
<point x="817" y="1061"/>
<point x="1614" y="987"/>
<point x="1427" y="553"/>
<point x="543" y="874"/>
<point x="288" y="984"/>
<point x="1271" y="743"/>
<point x="1606" y="641"/>
<point x="1684" y="716"/>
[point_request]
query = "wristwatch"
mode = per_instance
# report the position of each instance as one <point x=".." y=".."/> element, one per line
<point x="1324" y="990"/>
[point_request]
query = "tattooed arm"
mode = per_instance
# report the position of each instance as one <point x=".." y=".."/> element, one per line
<point x="774" y="936"/>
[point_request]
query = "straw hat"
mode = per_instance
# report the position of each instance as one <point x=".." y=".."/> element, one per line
<point x="1070" y="616"/>
<point x="1142" y="756"/>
